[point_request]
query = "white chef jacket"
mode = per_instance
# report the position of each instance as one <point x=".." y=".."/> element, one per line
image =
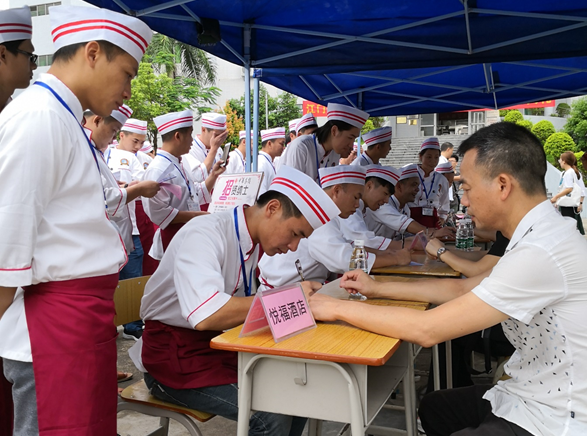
<point x="307" y="155"/>
<point x="195" y="160"/>
<point x="389" y="220"/>
<point x="236" y="163"/>
<point x="265" y="165"/>
<point x="436" y="187"/>
<point x="363" y="160"/>
<point x="442" y="159"/>
<point x="540" y="284"/>
<point x="327" y="250"/>
<point x="164" y="206"/>
<point x="53" y="216"/>
<point x="128" y="168"/>
<point x="144" y="159"/>
<point x="354" y="227"/>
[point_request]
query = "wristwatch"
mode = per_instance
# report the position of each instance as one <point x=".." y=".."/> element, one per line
<point x="440" y="252"/>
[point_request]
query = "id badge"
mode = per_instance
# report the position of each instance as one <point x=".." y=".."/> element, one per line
<point x="192" y="206"/>
<point x="427" y="211"/>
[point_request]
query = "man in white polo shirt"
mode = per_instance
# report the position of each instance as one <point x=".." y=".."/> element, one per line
<point x="63" y="251"/>
<point x="272" y="145"/>
<point x="203" y="286"/>
<point x="293" y="133"/>
<point x="536" y="290"/>
<point x="378" y="143"/>
<point x="236" y="158"/>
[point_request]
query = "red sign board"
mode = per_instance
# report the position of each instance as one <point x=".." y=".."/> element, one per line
<point x="309" y="107"/>
<point x="547" y="103"/>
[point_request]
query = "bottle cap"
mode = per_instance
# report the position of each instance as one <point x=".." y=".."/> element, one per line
<point x="359" y="243"/>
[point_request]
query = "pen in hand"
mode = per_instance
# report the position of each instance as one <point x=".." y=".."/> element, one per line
<point x="300" y="270"/>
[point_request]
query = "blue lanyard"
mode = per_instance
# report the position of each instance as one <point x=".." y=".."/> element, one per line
<point x="366" y="160"/>
<point x="108" y="158"/>
<point x="270" y="162"/>
<point x="247" y="286"/>
<point x="317" y="163"/>
<point x="424" y="185"/>
<point x="202" y="147"/>
<point x="180" y="172"/>
<point x="92" y="149"/>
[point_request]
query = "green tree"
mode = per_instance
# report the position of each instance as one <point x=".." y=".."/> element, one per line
<point x="525" y="123"/>
<point x="154" y="95"/>
<point x="234" y="124"/>
<point x="369" y="125"/>
<point x="177" y="59"/>
<point x="563" y="110"/>
<point x="543" y="129"/>
<point x="513" y="117"/>
<point x="504" y="112"/>
<point x="557" y="144"/>
<point x="577" y="123"/>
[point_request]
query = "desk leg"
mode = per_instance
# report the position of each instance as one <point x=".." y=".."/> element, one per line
<point x="436" y="367"/>
<point x="314" y="427"/>
<point x="244" y="401"/>
<point x="410" y="392"/>
<point x="448" y="346"/>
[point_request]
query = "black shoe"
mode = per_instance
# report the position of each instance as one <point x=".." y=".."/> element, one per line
<point x="134" y="334"/>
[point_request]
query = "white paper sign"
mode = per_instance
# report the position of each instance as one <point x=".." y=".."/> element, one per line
<point x="235" y="190"/>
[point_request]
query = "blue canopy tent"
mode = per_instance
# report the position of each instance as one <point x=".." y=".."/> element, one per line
<point x="383" y="56"/>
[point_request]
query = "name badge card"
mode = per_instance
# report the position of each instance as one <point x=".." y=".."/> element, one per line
<point x="233" y="190"/>
<point x="284" y="309"/>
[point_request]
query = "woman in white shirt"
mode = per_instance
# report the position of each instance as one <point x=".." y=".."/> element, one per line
<point x="569" y="178"/>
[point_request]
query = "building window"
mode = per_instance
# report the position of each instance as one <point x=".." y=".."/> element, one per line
<point x="45" y="60"/>
<point x="40" y="10"/>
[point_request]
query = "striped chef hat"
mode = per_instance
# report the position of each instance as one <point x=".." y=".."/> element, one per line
<point x="122" y="114"/>
<point x="16" y="24"/>
<point x="147" y="147"/>
<point x="278" y="132"/>
<point x="293" y="125"/>
<point x="445" y="167"/>
<point x="243" y="134"/>
<point x="305" y="121"/>
<point x="133" y="125"/>
<point x="376" y="136"/>
<point x="173" y="121"/>
<point x="338" y="174"/>
<point x="316" y="206"/>
<point x="349" y="115"/>
<point x="76" y="24"/>
<point x="212" y="120"/>
<point x="430" y="143"/>
<point x="389" y="174"/>
<point x="409" y="171"/>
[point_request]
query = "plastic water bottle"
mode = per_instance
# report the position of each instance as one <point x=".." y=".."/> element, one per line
<point x="461" y="236"/>
<point x="358" y="261"/>
<point x="470" y="235"/>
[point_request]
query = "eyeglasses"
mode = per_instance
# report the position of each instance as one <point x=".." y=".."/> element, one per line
<point x="32" y="57"/>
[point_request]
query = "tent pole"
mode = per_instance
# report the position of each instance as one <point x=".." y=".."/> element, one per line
<point x="247" y="66"/>
<point x="255" y="149"/>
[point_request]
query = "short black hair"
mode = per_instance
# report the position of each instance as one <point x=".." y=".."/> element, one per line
<point x="65" y="54"/>
<point x="303" y="130"/>
<point x="455" y="157"/>
<point x="12" y="46"/>
<point x="169" y="135"/>
<point x="289" y="209"/>
<point x="323" y="133"/>
<point x="288" y="139"/>
<point x="511" y="149"/>
<point x="446" y="146"/>
<point x="107" y="120"/>
<point x="378" y="181"/>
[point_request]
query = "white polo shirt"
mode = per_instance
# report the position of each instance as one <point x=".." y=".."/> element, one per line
<point x="267" y="167"/>
<point x="236" y="163"/>
<point x="540" y="283"/>
<point x="307" y="155"/>
<point x="389" y="220"/>
<point x="433" y="193"/>
<point x="194" y="160"/>
<point x="363" y="160"/>
<point x="52" y="210"/>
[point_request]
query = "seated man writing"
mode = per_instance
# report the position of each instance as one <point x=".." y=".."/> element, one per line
<point x="536" y="290"/>
<point x="203" y="286"/>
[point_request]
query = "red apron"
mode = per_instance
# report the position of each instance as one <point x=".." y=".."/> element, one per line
<point x="6" y="406"/>
<point x="146" y="233"/>
<point x="426" y="221"/>
<point x="168" y="233"/>
<point x="182" y="358"/>
<point x="73" y="343"/>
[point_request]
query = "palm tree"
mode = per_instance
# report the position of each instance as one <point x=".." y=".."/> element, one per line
<point x="180" y="59"/>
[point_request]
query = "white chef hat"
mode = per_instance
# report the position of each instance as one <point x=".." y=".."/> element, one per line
<point x="305" y="121"/>
<point x="75" y="24"/>
<point x="15" y="24"/>
<point x="122" y="114"/>
<point x="338" y="174"/>
<point x="430" y="143"/>
<point x="445" y="167"/>
<point x="349" y="115"/>
<point x="147" y="147"/>
<point x="316" y="206"/>
<point x="212" y="120"/>
<point x="133" y="125"/>
<point x="243" y="134"/>
<point x="173" y="121"/>
<point x="409" y="171"/>
<point x="376" y="136"/>
<point x="389" y="174"/>
<point x="293" y="125"/>
<point x="278" y="132"/>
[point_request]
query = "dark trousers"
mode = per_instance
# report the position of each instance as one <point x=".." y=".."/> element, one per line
<point x="572" y="213"/>
<point x="463" y="412"/>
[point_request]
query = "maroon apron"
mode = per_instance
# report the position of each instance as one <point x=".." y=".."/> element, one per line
<point x="6" y="406"/>
<point x="181" y="358"/>
<point x="168" y="233"/>
<point x="146" y="233"/>
<point x="73" y="343"/>
<point x="426" y="221"/>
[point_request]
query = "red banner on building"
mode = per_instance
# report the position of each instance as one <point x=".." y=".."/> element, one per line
<point x="309" y="107"/>
<point x="547" y="103"/>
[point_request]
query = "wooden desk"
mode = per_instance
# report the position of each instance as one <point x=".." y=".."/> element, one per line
<point x="429" y="267"/>
<point x="334" y="372"/>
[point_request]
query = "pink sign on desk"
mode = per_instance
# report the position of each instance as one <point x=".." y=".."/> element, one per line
<point x="284" y="309"/>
